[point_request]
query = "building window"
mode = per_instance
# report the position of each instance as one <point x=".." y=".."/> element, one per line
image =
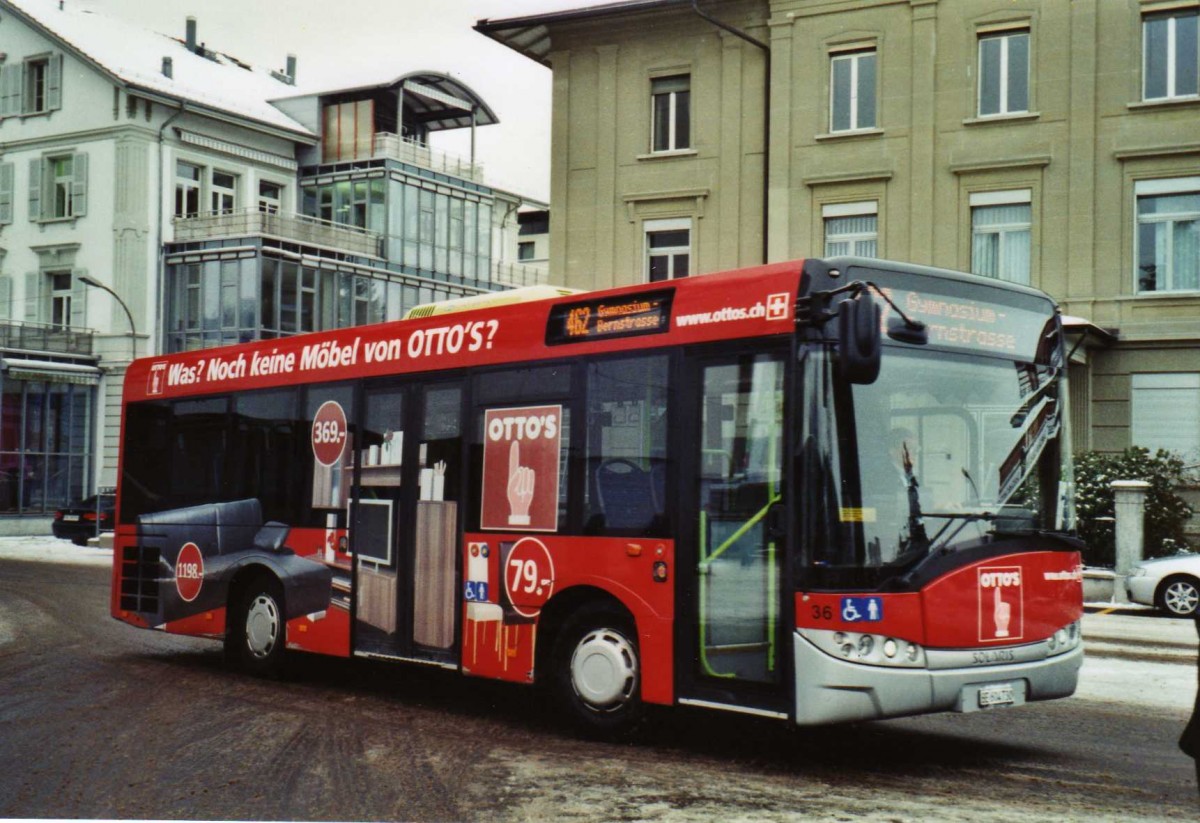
<point x="671" y="113"/>
<point x="668" y="249"/>
<point x="852" y="91"/>
<point x="31" y="86"/>
<point x="270" y="197"/>
<point x="851" y="229"/>
<point x="45" y="443"/>
<point x="58" y="187"/>
<point x="1165" y="413"/>
<point x="61" y="177"/>
<point x="1001" y="233"/>
<point x="1004" y="73"/>
<point x="60" y="299"/>
<point x="187" y="189"/>
<point x="1168" y="235"/>
<point x="1170" y="60"/>
<point x="223" y="191"/>
<point x="525" y="250"/>
<point x="37" y="77"/>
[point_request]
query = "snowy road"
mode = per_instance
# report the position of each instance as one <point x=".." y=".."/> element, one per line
<point x="149" y="725"/>
<point x="1137" y="676"/>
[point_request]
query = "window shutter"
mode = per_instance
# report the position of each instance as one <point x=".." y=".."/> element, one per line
<point x="10" y="90"/>
<point x="35" y="189"/>
<point x="78" y="299"/>
<point x="6" y="193"/>
<point x="54" y="82"/>
<point x="33" y="296"/>
<point x="79" y="185"/>
<point x="5" y="297"/>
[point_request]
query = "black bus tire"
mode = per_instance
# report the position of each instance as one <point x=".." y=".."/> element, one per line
<point x="597" y="671"/>
<point x="257" y="631"/>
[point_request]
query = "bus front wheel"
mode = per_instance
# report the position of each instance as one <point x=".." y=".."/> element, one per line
<point x="255" y="639"/>
<point x="597" y="671"/>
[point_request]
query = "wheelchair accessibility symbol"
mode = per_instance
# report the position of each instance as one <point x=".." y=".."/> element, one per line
<point x="862" y="609"/>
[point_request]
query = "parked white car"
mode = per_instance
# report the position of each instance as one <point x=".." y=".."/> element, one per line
<point x="1170" y="583"/>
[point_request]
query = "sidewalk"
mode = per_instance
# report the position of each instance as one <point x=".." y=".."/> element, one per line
<point x="1138" y="633"/>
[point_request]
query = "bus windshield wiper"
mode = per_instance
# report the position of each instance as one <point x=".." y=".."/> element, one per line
<point x="918" y="540"/>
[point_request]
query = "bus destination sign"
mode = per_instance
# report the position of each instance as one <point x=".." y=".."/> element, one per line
<point x="605" y="318"/>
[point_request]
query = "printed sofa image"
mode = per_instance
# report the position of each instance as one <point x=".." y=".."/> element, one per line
<point x="199" y="550"/>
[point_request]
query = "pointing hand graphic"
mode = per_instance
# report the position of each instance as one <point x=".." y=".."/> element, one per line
<point x="520" y="487"/>
<point x="1002" y="613"/>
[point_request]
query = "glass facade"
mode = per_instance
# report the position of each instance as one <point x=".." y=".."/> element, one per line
<point x="259" y="296"/>
<point x="45" y="444"/>
<point x="428" y="228"/>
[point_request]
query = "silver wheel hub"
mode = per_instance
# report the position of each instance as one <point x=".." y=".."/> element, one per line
<point x="262" y="626"/>
<point x="604" y="670"/>
<point x="1181" y="598"/>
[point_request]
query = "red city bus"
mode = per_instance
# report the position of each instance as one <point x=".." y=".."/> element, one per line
<point x="819" y="491"/>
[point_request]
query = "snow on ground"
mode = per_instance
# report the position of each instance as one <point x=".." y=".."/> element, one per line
<point x="50" y="549"/>
<point x="1146" y="683"/>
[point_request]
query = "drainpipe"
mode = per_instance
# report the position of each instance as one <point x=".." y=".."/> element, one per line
<point x="160" y="304"/>
<point x="766" y="108"/>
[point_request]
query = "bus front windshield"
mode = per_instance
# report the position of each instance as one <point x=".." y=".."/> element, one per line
<point x="951" y="449"/>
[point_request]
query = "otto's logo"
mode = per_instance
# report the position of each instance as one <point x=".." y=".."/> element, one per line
<point x="1000" y="580"/>
<point x="157" y="379"/>
<point x="189" y="572"/>
<point x="1001" y="604"/>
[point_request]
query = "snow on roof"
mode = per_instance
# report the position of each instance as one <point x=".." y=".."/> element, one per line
<point x="134" y="56"/>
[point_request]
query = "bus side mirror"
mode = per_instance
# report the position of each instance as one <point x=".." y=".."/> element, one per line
<point x="860" y="343"/>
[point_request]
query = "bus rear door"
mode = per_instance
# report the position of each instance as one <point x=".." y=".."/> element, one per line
<point x="405" y="528"/>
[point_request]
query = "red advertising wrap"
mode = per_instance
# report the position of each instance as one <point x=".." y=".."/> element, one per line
<point x="521" y="454"/>
<point x="406" y="491"/>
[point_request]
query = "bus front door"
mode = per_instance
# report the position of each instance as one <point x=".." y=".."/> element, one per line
<point x="404" y="530"/>
<point x="734" y="594"/>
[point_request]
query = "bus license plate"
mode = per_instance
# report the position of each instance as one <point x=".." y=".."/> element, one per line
<point x="999" y="695"/>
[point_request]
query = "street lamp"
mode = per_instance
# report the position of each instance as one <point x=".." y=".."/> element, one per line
<point x="89" y="281"/>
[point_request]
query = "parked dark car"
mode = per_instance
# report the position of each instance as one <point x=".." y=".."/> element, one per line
<point x="77" y="523"/>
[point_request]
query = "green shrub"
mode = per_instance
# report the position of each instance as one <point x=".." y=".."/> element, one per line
<point x="1166" y="511"/>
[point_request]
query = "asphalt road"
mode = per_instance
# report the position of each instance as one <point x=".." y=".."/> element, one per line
<point x="98" y="719"/>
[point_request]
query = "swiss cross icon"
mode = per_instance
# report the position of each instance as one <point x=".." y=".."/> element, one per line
<point x="777" y="307"/>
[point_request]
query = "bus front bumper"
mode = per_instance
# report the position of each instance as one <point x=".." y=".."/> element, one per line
<point x="831" y="690"/>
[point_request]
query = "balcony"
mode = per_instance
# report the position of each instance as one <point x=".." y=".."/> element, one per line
<point x="395" y="147"/>
<point x="514" y="275"/>
<point x="295" y="228"/>
<point x="43" y="337"/>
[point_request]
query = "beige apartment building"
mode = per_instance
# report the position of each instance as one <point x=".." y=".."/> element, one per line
<point x="1052" y="143"/>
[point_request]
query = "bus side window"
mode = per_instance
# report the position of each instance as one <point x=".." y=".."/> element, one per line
<point x="517" y="389"/>
<point x="626" y="456"/>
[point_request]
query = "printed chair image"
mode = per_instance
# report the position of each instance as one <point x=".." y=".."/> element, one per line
<point x="513" y="618"/>
<point x="479" y="612"/>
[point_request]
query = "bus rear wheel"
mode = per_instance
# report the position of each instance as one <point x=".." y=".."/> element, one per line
<point x="597" y="671"/>
<point x="255" y="638"/>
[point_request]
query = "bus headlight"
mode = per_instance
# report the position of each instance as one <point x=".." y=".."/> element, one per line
<point x="866" y="648"/>
<point x="1064" y="640"/>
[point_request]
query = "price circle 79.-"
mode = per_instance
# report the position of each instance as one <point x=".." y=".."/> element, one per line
<point x="528" y="576"/>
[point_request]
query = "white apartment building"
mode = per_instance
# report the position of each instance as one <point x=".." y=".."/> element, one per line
<point x="157" y="195"/>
